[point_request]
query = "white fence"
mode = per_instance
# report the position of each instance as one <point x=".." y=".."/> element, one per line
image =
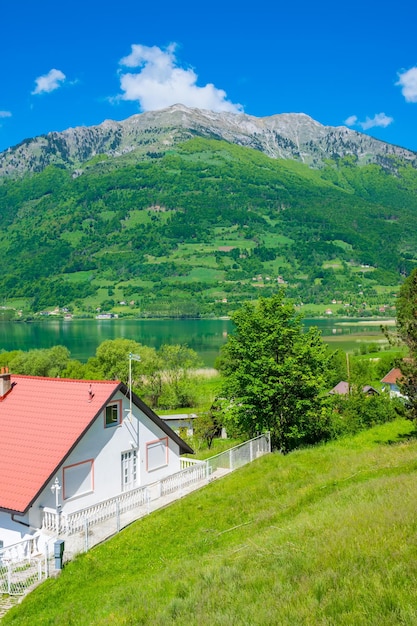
<point x="191" y="475"/>
<point x="75" y="522"/>
<point x="21" y="565"/>
<point x="240" y="455"/>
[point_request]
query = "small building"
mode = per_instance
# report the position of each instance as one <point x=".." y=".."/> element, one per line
<point x="181" y="422"/>
<point x="370" y="391"/>
<point x="390" y="382"/>
<point x="66" y="445"/>
<point x="107" y="316"/>
<point x="342" y="388"/>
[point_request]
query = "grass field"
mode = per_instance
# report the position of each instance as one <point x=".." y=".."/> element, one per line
<point x="322" y="536"/>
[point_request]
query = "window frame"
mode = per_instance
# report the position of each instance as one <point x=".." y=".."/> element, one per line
<point x="149" y="446"/>
<point x="117" y="405"/>
<point x="89" y="463"/>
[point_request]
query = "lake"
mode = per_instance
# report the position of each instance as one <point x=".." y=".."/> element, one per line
<point x="206" y="337"/>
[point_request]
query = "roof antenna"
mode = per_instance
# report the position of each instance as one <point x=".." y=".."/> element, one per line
<point x="134" y="357"/>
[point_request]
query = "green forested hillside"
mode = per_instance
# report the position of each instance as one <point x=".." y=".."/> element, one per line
<point x="199" y="229"/>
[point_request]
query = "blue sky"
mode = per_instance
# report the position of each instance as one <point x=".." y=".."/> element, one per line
<point x="72" y="64"/>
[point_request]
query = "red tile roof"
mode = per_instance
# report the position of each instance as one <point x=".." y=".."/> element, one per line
<point x="393" y="376"/>
<point x="41" y="420"/>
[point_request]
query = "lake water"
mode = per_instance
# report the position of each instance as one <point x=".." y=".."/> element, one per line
<point x="206" y="337"/>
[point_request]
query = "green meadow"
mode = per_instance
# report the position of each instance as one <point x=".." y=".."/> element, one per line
<point x="324" y="535"/>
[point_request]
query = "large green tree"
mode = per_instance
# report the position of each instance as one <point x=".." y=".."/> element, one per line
<point x="407" y="330"/>
<point x="275" y="375"/>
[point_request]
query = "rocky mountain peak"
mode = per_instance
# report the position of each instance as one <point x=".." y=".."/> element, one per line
<point x="286" y="135"/>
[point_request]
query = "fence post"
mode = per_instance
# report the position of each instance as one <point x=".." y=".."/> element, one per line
<point x="86" y="534"/>
<point x="231" y="459"/>
<point x="46" y="561"/>
<point x="117" y="516"/>
<point x="9" y="577"/>
<point x="148" y="500"/>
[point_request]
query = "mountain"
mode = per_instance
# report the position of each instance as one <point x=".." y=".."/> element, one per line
<point x="285" y="136"/>
<point x="184" y="212"/>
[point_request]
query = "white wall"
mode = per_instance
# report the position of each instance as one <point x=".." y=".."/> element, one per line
<point x="149" y="432"/>
<point x="103" y="447"/>
<point x="11" y="532"/>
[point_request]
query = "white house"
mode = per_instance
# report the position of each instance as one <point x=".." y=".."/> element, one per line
<point x="390" y="382"/>
<point x="69" y="444"/>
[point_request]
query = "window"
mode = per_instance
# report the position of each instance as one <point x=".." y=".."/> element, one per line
<point x="78" y="479"/>
<point x="113" y="413"/>
<point x="157" y="454"/>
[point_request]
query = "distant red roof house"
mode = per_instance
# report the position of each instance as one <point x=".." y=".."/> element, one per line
<point x="81" y="433"/>
<point x="391" y="380"/>
<point x="392" y="377"/>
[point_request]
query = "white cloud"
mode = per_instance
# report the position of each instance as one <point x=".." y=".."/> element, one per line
<point x="408" y="81"/>
<point x="5" y="114"/>
<point x="159" y="82"/>
<point x="380" y="120"/>
<point x="49" y="82"/>
<point x="351" y="120"/>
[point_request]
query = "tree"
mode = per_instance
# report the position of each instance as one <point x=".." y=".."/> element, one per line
<point x="339" y="365"/>
<point x="41" y="362"/>
<point x="407" y="312"/>
<point x="206" y="427"/>
<point x="275" y="375"/>
<point x="407" y="330"/>
<point x="112" y="360"/>
<point x="177" y="362"/>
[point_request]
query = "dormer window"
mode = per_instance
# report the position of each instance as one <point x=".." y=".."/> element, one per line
<point x="113" y="414"/>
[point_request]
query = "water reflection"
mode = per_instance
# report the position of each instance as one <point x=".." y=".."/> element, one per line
<point x="206" y="337"/>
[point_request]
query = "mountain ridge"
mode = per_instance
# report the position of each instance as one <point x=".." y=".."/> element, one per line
<point x="294" y="136"/>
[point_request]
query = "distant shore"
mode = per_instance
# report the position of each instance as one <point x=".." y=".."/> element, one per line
<point x="369" y="322"/>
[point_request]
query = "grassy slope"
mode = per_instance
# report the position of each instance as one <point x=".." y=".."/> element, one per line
<point x="322" y="536"/>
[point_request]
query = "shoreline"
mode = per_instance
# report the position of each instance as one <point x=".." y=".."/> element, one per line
<point x="371" y="322"/>
<point x="344" y="321"/>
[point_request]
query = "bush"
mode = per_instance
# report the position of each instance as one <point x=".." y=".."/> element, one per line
<point x="357" y="411"/>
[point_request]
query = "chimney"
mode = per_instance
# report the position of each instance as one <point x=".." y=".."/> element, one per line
<point x="5" y="382"/>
